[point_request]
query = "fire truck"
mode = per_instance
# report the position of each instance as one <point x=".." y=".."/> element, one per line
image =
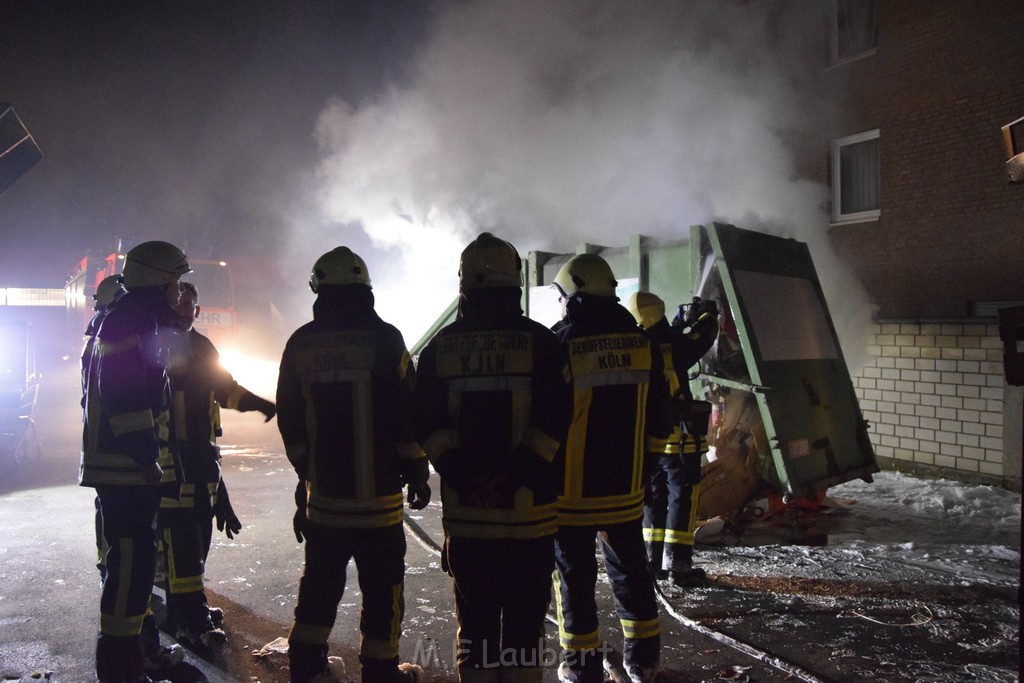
<point x="217" y="318"/>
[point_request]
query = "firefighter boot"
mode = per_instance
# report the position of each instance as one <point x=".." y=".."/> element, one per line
<point x="684" y="574"/>
<point x="216" y="616"/>
<point x="646" y="674"/>
<point x="118" y="659"/>
<point x="156" y="657"/>
<point x="389" y="671"/>
<point x="306" y="662"/>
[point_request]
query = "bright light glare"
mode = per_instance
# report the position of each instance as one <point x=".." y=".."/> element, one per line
<point x="258" y="375"/>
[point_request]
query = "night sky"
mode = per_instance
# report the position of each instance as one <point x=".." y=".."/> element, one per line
<point x="186" y="121"/>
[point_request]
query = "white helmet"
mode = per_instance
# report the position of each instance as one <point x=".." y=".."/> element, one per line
<point x="647" y="308"/>
<point x="586" y="273"/>
<point x="153" y="263"/>
<point x="107" y="290"/>
<point x="339" y="266"/>
<point x="489" y="261"/>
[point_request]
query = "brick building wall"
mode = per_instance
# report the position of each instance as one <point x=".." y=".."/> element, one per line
<point x="943" y="79"/>
<point x="946" y="75"/>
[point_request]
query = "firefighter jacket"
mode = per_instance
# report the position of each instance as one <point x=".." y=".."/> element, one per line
<point x="344" y="398"/>
<point x="679" y="352"/>
<point x="200" y="387"/>
<point x="126" y="393"/>
<point x="620" y="413"/>
<point x="492" y="405"/>
<point x="90" y="339"/>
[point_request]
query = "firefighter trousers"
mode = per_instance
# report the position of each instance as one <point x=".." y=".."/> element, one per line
<point x="625" y="560"/>
<point x="670" y="512"/>
<point x="502" y="593"/>
<point x="129" y="519"/>
<point x="379" y="554"/>
<point x="185" y="537"/>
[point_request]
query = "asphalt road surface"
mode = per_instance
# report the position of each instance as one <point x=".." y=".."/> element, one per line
<point x="813" y="625"/>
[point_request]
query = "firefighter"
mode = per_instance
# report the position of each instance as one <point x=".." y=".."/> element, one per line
<point x="620" y="416"/>
<point x="127" y="454"/>
<point x="344" y="401"/>
<point x="670" y="513"/>
<point x="200" y="388"/>
<point x="492" y="404"/>
<point x="107" y="290"/>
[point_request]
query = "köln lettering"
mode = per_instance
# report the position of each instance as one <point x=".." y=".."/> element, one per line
<point x="611" y="361"/>
<point x="483" y="364"/>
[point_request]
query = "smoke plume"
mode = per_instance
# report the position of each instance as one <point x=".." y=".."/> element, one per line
<point x="553" y="122"/>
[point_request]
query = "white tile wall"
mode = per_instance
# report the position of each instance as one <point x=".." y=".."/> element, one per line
<point x="932" y="394"/>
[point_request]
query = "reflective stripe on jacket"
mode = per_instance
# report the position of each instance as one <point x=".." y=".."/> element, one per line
<point x="492" y="408"/>
<point x="343" y="400"/>
<point x="620" y="413"/>
<point x="126" y="394"/>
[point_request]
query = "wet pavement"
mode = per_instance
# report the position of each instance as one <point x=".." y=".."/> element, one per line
<point x="783" y="605"/>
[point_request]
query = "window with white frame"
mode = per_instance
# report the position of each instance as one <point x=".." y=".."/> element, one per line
<point x="856" y="186"/>
<point x="852" y="29"/>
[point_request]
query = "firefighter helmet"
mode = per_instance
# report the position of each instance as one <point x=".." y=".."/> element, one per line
<point x="153" y="263"/>
<point x="587" y="274"/>
<point x="339" y="266"/>
<point x="646" y="307"/>
<point x="489" y="261"/>
<point x="107" y="290"/>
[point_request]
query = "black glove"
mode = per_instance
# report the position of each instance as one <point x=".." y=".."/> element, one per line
<point x="250" y="401"/>
<point x="299" y="520"/>
<point x="419" y="496"/>
<point x="226" y="519"/>
<point x="690" y="313"/>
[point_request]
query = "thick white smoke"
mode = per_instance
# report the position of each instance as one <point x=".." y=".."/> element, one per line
<point x="552" y="122"/>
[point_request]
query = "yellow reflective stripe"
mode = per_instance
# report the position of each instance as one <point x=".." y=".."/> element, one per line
<point x="377" y="649"/>
<point x="489" y="383"/>
<point x="410" y="451"/>
<point x="234" y="397"/>
<point x="132" y="422"/>
<point x="113" y="348"/>
<point x="355" y="505"/>
<point x="188" y="584"/>
<point x="576" y="518"/>
<point x="599" y="502"/>
<point x="653" y="444"/>
<point x="652" y="535"/>
<point x="353" y="513"/>
<point x="679" y="537"/>
<point x="641" y="629"/>
<point x="441" y="441"/>
<point x="178" y="584"/>
<point x="576" y="443"/>
<point x="640" y="440"/>
<point x="578" y="641"/>
<point x="114" y="625"/>
<point x="460" y="529"/>
<point x="186" y="497"/>
<point x="523" y="521"/>
<point x="540" y="443"/>
<point x="691" y="523"/>
<point x="374" y="648"/>
<point x="613" y="378"/>
<point x="120" y="623"/>
<point x="309" y="634"/>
